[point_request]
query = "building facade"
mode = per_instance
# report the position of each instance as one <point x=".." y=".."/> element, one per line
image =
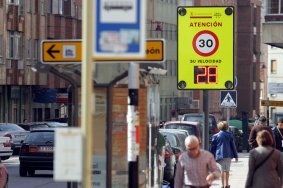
<point x="272" y="36"/>
<point x="24" y="23"/>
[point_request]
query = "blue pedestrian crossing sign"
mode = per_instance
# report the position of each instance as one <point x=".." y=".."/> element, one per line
<point x="228" y="98"/>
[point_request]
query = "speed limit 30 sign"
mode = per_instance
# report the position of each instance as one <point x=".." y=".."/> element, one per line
<point x="205" y="47"/>
<point x="205" y="43"/>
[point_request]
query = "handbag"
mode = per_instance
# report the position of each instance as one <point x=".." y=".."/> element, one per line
<point x="261" y="163"/>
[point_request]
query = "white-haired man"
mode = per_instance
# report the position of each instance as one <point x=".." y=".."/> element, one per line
<point x="196" y="168"/>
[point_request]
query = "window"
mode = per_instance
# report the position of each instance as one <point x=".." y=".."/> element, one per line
<point x="35" y="47"/>
<point x="275" y="7"/>
<point x="42" y="7"/>
<point x="14" y="45"/>
<point x="273" y="67"/>
<point x="28" y="48"/>
<point x="1" y="45"/>
<point x="15" y="2"/>
<point x="29" y="5"/>
<point x="254" y="44"/>
<point x="21" y="8"/>
<point x="57" y="7"/>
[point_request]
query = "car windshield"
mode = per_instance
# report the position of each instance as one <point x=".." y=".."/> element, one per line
<point x="39" y="126"/>
<point x="194" y="118"/>
<point x="191" y="129"/>
<point x="40" y="137"/>
<point x="10" y="127"/>
<point x="171" y="139"/>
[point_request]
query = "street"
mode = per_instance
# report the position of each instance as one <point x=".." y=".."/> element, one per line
<point x="42" y="179"/>
<point x="238" y="172"/>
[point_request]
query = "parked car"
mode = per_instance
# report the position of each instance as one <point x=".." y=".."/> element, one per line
<point x="199" y="117"/>
<point x="37" y="152"/>
<point x="193" y="128"/>
<point x="5" y="148"/>
<point x="15" y="133"/>
<point x="170" y="161"/>
<point x="176" y="140"/>
<point x="43" y="124"/>
<point x="34" y="125"/>
<point x="238" y="137"/>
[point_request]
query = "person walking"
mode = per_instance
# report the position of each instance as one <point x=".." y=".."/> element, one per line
<point x="224" y="150"/>
<point x="196" y="168"/>
<point x="256" y="119"/>
<point x="261" y="125"/>
<point x="278" y="136"/>
<point x="265" y="167"/>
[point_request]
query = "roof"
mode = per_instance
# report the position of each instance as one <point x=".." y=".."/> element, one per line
<point x="183" y="123"/>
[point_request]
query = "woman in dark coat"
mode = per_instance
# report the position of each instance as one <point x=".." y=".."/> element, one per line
<point x="269" y="173"/>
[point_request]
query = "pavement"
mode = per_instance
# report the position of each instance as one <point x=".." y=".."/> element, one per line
<point x="238" y="172"/>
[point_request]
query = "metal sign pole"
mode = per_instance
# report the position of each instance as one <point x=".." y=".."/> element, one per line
<point x="267" y="111"/>
<point x="206" y="121"/>
<point x="133" y="125"/>
<point x="87" y="93"/>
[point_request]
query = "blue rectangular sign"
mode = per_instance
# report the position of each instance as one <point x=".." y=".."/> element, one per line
<point x="119" y="29"/>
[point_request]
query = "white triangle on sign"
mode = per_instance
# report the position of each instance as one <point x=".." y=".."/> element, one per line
<point x="228" y="101"/>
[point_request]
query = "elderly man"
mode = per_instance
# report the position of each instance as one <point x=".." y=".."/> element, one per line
<point x="196" y="168"/>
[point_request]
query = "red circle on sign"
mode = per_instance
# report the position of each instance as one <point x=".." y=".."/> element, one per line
<point x="205" y="34"/>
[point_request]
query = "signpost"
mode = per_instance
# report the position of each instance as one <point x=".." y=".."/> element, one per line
<point x="228" y="99"/>
<point x="70" y="51"/>
<point x="61" y="51"/>
<point x="205" y="48"/>
<point x="119" y="29"/>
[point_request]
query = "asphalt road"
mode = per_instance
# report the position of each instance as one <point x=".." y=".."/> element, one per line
<point x="42" y="179"/>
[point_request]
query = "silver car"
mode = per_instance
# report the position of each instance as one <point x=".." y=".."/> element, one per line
<point x="15" y="133"/>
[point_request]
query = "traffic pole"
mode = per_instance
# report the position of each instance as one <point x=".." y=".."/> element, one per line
<point x="206" y="120"/>
<point x="267" y="111"/>
<point x="133" y="125"/>
<point x="87" y="93"/>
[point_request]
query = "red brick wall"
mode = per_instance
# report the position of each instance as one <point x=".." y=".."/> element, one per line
<point x="119" y="130"/>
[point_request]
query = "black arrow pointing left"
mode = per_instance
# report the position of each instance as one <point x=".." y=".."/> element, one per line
<point x="50" y="51"/>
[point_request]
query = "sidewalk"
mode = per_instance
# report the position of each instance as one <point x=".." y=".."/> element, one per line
<point x="238" y="172"/>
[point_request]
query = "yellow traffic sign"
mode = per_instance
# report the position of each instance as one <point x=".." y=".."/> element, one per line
<point x="61" y="51"/>
<point x="69" y="51"/>
<point x="205" y="47"/>
<point x="271" y="103"/>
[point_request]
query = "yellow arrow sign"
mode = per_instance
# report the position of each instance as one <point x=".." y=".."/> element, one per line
<point x="61" y="51"/>
<point x="70" y="51"/>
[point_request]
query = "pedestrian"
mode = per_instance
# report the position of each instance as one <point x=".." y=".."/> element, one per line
<point x="256" y="119"/>
<point x="278" y="136"/>
<point x="265" y="167"/>
<point x="261" y="125"/>
<point x="196" y="168"/>
<point x="224" y="150"/>
<point x="4" y="176"/>
<point x="25" y="121"/>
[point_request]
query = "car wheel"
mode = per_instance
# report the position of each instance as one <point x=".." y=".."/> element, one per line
<point x="23" y="171"/>
<point x="5" y="158"/>
<point x="31" y="172"/>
